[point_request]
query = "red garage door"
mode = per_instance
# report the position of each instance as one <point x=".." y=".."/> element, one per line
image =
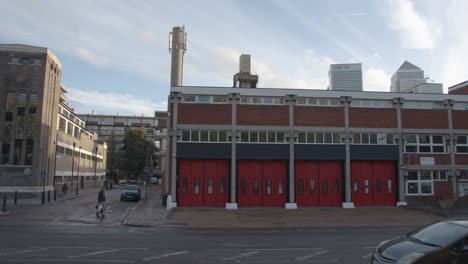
<point x="306" y="182"/>
<point x="319" y="183"/>
<point x="373" y="183"/>
<point x="261" y="183"/>
<point x="331" y="175"/>
<point x="203" y="183"/>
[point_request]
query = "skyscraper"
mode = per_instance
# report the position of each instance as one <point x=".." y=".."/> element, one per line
<point x="345" y="77"/>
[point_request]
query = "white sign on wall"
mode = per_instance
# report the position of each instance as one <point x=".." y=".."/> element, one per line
<point x="426" y="160"/>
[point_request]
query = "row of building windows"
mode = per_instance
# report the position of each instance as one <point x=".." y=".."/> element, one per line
<point x="422" y="182"/>
<point x="63" y="151"/>
<point x="68" y="179"/>
<point x="71" y="129"/>
<point x="271" y="100"/>
<point x="414" y="143"/>
<point x="16" y="157"/>
<point x="425" y="143"/>
<point x="71" y="116"/>
<point x="25" y="61"/>
<point x="204" y="136"/>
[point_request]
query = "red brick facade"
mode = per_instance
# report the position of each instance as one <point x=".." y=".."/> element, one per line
<point x="368" y="117"/>
<point x="319" y="116"/>
<point x="204" y="114"/>
<point x="421" y="118"/>
<point x="414" y="159"/>
<point x="262" y="115"/>
<point x="460" y="119"/>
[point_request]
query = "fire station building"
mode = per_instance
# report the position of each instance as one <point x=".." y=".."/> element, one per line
<point x="244" y="146"/>
<point x="275" y="147"/>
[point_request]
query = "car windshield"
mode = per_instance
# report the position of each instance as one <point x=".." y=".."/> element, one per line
<point x="440" y="234"/>
<point x="131" y="188"/>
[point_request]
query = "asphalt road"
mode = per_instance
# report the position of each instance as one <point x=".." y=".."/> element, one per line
<point x="68" y="232"/>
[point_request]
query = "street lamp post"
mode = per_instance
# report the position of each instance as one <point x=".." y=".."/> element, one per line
<point x="95" y="167"/>
<point x="78" y="178"/>
<point x="147" y="170"/>
<point x="73" y="165"/>
<point x="55" y="165"/>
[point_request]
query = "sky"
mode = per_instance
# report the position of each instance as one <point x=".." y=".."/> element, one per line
<point x="115" y="56"/>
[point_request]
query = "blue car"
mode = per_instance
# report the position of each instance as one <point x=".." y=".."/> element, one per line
<point x="130" y="193"/>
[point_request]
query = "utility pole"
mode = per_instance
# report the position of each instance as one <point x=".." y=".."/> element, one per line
<point x="147" y="170"/>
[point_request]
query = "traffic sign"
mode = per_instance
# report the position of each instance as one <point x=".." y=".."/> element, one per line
<point x="43" y="174"/>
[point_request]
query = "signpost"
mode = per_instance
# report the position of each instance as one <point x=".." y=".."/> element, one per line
<point x="43" y="178"/>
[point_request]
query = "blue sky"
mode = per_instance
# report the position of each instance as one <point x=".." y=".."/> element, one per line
<point x="115" y="58"/>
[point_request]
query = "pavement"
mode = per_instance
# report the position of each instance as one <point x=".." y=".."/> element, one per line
<point x="70" y="195"/>
<point x="151" y="213"/>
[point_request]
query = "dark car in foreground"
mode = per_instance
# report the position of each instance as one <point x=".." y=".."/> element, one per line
<point x="440" y="242"/>
<point x="130" y="193"/>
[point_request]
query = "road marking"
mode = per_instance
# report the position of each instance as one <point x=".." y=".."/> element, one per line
<point x="240" y="256"/>
<point x="55" y="221"/>
<point x="265" y="249"/>
<point x="97" y="248"/>
<point x="166" y="255"/>
<point x="367" y="256"/>
<point x="277" y="261"/>
<point x="23" y="251"/>
<point x="311" y="255"/>
<point x="69" y="260"/>
<point x="369" y="247"/>
<point x="94" y="253"/>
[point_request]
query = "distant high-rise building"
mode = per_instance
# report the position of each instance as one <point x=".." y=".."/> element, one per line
<point x="345" y="77"/>
<point x="409" y="78"/>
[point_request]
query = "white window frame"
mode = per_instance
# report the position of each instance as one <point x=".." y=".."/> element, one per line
<point x="431" y="144"/>
<point x="464" y="174"/>
<point x="318" y="101"/>
<point x="461" y="145"/>
<point x="264" y="100"/>
<point x="440" y="175"/>
<point x="372" y="103"/>
<point x="419" y="182"/>
<point x="199" y="136"/>
<point x="309" y="135"/>
<point x="250" y="140"/>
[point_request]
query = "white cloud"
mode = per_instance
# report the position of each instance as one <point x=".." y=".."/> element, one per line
<point x="376" y="80"/>
<point x="415" y="30"/>
<point x="111" y="103"/>
<point x="91" y="57"/>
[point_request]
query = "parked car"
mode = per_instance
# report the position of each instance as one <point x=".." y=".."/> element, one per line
<point x="440" y="242"/>
<point x="122" y="181"/>
<point x="154" y="179"/>
<point x="130" y="193"/>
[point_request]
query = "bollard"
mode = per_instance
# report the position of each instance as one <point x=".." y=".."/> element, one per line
<point x="16" y="197"/>
<point x="55" y="194"/>
<point x="43" y="197"/>
<point x="48" y="196"/>
<point x="4" y="204"/>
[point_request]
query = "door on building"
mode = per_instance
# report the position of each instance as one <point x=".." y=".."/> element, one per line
<point x="373" y="183"/>
<point x="190" y="180"/>
<point x="331" y="175"/>
<point x="319" y="183"/>
<point x="203" y="183"/>
<point x="261" y="183"/>
<point x="215" y="183"/>
<point x="306" y="183"/>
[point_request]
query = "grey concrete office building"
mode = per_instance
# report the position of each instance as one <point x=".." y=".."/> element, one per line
<point x="345" y="77"/>
<point x="112" y="128"/>
<point x="29" y="99"/>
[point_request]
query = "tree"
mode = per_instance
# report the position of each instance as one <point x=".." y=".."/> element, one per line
<point x="137" y="150"/>
<point x="114" y="156"/>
